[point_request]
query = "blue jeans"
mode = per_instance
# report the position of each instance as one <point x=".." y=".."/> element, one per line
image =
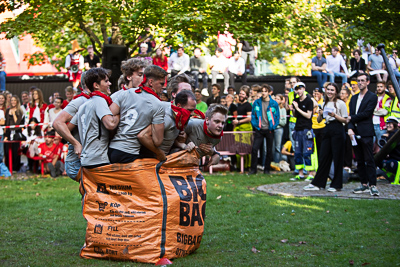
<point x="322" y="77"/>
<point x="337" y="74"/>
<point x="291" y="129"/>
<point x="378" y="132"/>
<point x="1" y="148"/>
<point x="3" y="75"/>
<point x="72" y="168"/>
<point x="278" y="133"/>
<point x="204" y="77"/>
<point x="304" y="149"/>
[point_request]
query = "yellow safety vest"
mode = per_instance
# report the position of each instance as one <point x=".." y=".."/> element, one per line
<point x="394" y="109"/>
<point x="290" y="101"/>
<point x="385" y="98"/>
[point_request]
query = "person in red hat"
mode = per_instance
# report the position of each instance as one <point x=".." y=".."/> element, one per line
<point x="75" y="63"/>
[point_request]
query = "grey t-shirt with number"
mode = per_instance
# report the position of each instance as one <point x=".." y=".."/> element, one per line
<point x="72" y="108"/>
<point x="137" y="111"/>
<point x="93" y="134"/>
<point x="195" y="133"/>
<point x="170" y="130"/>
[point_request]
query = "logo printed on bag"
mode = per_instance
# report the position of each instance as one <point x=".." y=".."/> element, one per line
<point x="98" y="229"/>
<point x="102" y="188"/>
<point x="102" y="205"/>
<point x="98" y="250"/>
<point x="190" y="190"/>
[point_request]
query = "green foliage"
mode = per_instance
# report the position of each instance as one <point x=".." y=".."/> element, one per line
<point x="42" y="225"/>
<point x="55" y="23"/>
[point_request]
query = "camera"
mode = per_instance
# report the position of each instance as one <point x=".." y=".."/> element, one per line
<point x="382" y="142"/>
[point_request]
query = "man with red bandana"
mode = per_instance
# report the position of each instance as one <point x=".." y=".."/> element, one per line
<point x="204" y="135"/>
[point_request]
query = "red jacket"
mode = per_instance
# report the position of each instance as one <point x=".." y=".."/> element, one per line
<point x="42" y="110"/>
<point x="157" y="61"/>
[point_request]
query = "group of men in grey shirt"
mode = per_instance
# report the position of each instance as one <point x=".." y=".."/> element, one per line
<point x="103" y="130"/>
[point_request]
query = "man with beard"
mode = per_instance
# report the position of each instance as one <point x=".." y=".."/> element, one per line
<point x="381" y="111"/>
<point x="206" y="134"/>
<point x="362" y="107"/>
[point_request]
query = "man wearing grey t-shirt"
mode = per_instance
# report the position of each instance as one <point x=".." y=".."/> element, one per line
<point x="377" y="66"/>
<point x="318" y="68"/>
<point x="206" y="134"/>
<point x="139" y="108"/>
<point x="94" y="120"/>
<point x="72" y="161"/>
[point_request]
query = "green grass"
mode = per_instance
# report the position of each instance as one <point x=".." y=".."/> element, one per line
<point x="47" y="229"/>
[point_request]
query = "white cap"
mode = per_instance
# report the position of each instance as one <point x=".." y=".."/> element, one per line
<point x="299" y="84"/>
<point x="392" y="119"/>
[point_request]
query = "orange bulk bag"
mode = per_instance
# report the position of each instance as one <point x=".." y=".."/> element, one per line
<point x="145" y="210"/>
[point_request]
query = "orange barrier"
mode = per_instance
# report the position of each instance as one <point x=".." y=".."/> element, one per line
<point x="145" y="210"/>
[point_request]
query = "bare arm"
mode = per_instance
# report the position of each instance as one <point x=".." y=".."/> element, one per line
<point x="145" y="138"/>
<point x="114" y="109"/>
<point x="110" y="121"/>
<point x="60" y="124"/>
<point x="157" y="131"/>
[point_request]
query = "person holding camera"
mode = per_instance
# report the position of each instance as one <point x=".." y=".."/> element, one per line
<point x="391" y="163"/>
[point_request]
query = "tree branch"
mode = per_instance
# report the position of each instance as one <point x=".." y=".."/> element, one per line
<point x="90" y="33"/>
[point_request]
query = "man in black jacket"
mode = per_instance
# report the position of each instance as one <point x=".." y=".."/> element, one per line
<point x="361" y="129"/>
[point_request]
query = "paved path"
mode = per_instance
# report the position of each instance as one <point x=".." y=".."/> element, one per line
<point x="386" y="191"/>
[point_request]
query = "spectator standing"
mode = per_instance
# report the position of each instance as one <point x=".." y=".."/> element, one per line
<point x="214" y="98"/>
<point x="362" y="107"/>
<point x="357" y="64"/>
<point x="243" y="124"/>
<point x="91" y="60"/>
<point x="232" y="111"/>
<point x="366" y="49"/>
<point x="34" y="137"/>
<point x="381" y="111"/>
<point x="160" y="59"/>
<point x="231" y="90"/>
<point x="54" y="112"/>
<point x="278" y="133"/>
<point x="14" y="116"/>
<point x="25" y="99"/>
<point x="198" y="66"/>
<point x="200" y="104"/>
<point x="292" y="119"/>
<point x="2" y="123"/>
<point x="248" y="50"/>
<point x="318" y="127"/>
<point x="164" y="96"/>
<point x="264" y="119"/>
<point x="345" y="96"/>
<point x="219" y="65"/>
<point x="3" y="104"/>
<point x="334" y="62"/>
<point x="255" y="89"/>
<point x="237" y="69"/>
<point x="354" y="86"/>
<point x="37" y="107"/>
<point x="225" y="42"/>
<point x="3" y="73"/>
<point x="179" y="62"/>
<point x="333" y="141"/>
<point x="302" y="108"/>
<point x="318" y="68"/>
<point x="394" y="62"/>
<point x="144" y="55"/>
<point x="377" y="66"/>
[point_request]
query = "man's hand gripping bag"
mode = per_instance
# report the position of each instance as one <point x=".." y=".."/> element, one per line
<point x="145" y="210"/>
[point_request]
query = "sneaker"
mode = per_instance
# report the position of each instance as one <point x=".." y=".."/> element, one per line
<point x="298" y="177"/>
<point x="373" y="191"/>
<point x="361" y="189"/>
<point x="332" y="189"/>
<point x="311" y="187"/>
<point x="226" y="91"/>
<point x="309" y="178"/>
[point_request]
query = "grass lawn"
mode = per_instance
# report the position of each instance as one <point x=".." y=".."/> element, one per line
<point x="42" y="225"/>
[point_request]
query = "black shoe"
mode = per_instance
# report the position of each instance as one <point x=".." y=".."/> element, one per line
<point x="252" y="172"/>
<point x="246" y="169"/>
<point x="266" y="171"/>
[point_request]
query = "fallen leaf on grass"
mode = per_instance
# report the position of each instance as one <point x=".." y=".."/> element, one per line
<point x="340" y="223"/>
<point x="292" y="213"/>
<point x="365" y="263"/>
<point x="218" y="197"/>
<point x="216" y="185"/>
<point x="37" y="194"/>
<point x="327" y="211"/>
<point x="50" y="210"/>
<point x="273" y="251"/>
<point x="254" y="250"/>
<point x="284" y="240"/>
<point x="302" y="242"/>
<point x="351" y="262"/>
<point x="239" y="211"/>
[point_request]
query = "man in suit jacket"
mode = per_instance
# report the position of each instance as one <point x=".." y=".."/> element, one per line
<point x="361" y="129"/>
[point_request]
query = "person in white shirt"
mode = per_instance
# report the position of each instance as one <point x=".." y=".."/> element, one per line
<point x="237" y="69"/>
<point x="394" y="62"/>
<point x="219" y="64"/>
<point x="52" y="114"/>
<point x="333" y="64"/>
<point x="179" y="62"/>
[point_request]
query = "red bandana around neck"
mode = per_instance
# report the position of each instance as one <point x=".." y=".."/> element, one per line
<point x="182" y="116"/>
<point x="123" y="87"/>
<point x="82" y="94"/>
<point x="199" y="114"/>
<point x="145" y="88"/>
<point x="209" y="134"/>
<point x="106" y="97"/>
